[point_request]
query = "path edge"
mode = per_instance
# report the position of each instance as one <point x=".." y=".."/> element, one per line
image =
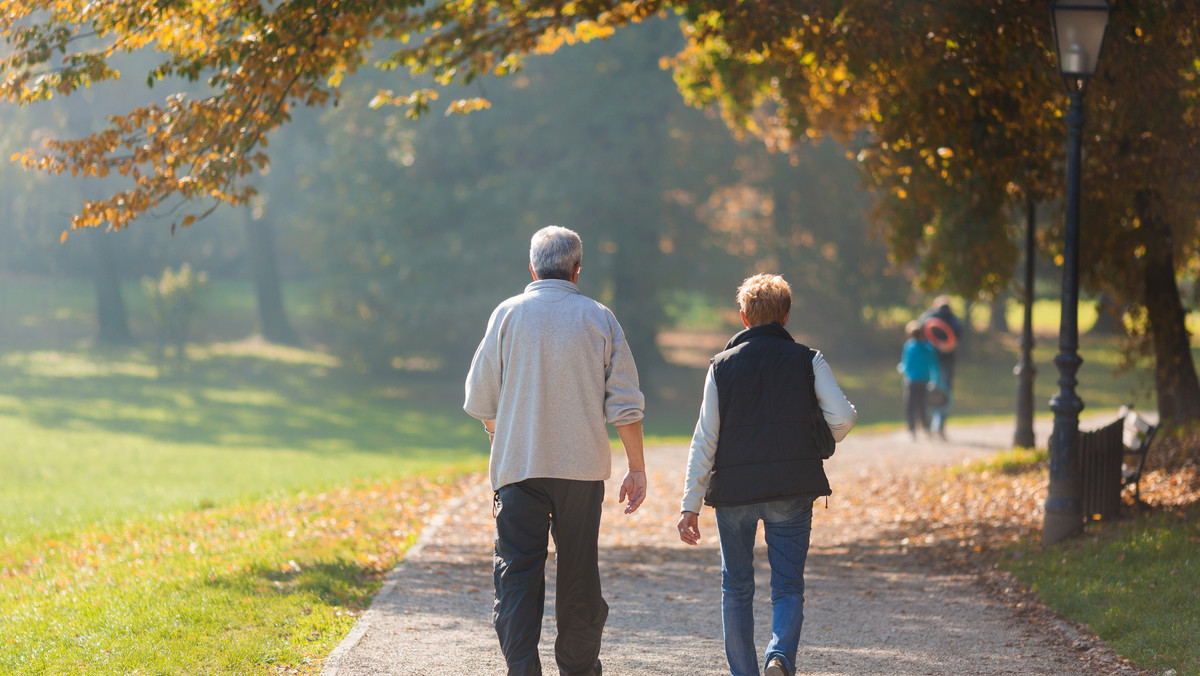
<point x="428" y="534"/>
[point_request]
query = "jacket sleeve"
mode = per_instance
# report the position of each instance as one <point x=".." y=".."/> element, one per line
<point x="839" y="412"/>
<point x="703" y="450"/>
<point x="486" y="373"/>
<point x="624" y="403"/>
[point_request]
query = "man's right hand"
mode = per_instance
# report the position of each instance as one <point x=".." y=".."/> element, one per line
<point x="689" y="527"/>
<point x="633" y="487"/>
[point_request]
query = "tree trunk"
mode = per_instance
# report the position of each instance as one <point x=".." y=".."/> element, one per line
<point x="998" y="321"/>
<point x="1108" y="318"/>
<point x="112" y="321"/>
<point x="967" y="327"/>
<point x="272" y="319"/>
<point x="1024" y="436"/>
<point x="1175" y="381"/>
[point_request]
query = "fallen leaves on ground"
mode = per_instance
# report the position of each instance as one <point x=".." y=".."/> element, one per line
<point x="962" y="516"/>
<point x="372" y="524"/>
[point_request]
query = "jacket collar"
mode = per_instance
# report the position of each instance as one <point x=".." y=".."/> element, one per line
<point x="560" y="284"/>
<point x="771" y="329"/>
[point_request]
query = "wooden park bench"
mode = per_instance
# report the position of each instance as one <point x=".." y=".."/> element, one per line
<point x="1112" y="458"/>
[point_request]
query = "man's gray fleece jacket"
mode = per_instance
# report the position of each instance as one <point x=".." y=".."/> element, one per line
<point x="553" y="368"/>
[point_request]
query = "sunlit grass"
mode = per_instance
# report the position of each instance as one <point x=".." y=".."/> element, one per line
<point x="1047" y="315"/>
<point x="228" y="520"/>
<point x="58" y="312"/>
<point x="85" y="437"/>
<point x="1133" y="583"/>
<point x="1012" y="461"/>
<point x="249" y="588"/>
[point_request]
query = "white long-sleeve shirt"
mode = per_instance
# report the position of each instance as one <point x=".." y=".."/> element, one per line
<point x="839" y="413"/>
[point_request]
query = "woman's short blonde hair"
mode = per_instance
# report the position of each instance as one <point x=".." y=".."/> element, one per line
<point x="765" y="298"/>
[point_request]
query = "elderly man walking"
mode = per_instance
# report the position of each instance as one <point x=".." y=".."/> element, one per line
<point x="756" y="455"/>
<point x="552" y="371"/>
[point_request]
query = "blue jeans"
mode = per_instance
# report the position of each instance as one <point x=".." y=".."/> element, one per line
<point x="788" y="525"/>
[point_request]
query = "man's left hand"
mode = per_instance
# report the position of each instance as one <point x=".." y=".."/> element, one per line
<point x="633" y="486"/>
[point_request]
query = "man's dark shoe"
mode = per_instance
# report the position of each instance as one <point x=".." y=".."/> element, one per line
<point x="599" y="669"/>
<point x="775" y="668"/>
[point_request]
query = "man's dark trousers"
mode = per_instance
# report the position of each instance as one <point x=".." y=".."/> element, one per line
<point x="530" y="511"/>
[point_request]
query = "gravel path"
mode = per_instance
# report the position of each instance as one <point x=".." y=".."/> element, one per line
<point x="870" y="607"/>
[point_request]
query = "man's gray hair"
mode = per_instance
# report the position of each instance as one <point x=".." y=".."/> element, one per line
<point x="555" y="252"/>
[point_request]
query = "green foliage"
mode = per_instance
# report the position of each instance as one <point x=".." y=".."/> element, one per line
<point x="955" y="108"/>
<point x="1133" y="583"/>
<point x="595" y="139"/>
<point x="175" y="299"/>
<point x="433" y="215"/>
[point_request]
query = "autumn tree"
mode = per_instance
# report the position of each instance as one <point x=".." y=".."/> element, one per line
<point x="956" y="105"/>
<point x="239" y="68"/>
<point x="960" y="114"/>
<point x="431" y="217"/>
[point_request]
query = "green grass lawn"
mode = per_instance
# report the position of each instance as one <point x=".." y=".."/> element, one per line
<point x="86" y="437"/>
<point x="1133" y="583"/>
<point x="230" y="519"/>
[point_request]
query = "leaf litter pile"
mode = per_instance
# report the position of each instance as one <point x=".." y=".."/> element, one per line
<point x="960" y="517"/>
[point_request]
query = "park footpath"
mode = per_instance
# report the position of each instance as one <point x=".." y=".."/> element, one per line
<point x="871" y="607"/>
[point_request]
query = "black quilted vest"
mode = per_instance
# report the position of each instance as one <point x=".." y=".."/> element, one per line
<point x="765" y="449"/>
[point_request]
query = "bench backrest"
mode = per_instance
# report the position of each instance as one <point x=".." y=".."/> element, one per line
<point x="1137" y="434"/>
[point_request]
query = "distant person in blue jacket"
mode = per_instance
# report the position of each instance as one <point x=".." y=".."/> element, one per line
<point x="945" y="331"/>
<point x="918" y="364"/>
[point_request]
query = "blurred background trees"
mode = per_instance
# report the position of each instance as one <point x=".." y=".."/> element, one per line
<point x="403" y="232"/>
<point x="406" y="233"/>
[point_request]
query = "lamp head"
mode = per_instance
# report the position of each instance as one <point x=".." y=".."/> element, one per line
<point x="1079" y="28"/>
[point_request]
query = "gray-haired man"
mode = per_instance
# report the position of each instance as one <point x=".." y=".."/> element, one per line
<point x="552" y="371"/>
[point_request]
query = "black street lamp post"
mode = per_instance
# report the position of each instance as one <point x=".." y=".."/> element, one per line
<point x="1025" y="370"/>
<point x="1079" y="27"/>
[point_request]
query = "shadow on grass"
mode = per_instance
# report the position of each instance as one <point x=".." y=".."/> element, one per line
<point x="241" y="401"/>
<point x="336" y="583"/>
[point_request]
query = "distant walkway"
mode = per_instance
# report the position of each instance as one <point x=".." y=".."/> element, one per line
<point x="869" y="608"/>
